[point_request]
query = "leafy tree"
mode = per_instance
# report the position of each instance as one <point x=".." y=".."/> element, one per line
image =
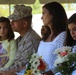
<point x="37" y="7"/>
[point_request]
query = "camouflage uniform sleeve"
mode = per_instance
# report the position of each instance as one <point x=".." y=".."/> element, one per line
<point x="26" y="47"/>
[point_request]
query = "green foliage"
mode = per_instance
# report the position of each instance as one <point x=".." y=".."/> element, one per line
<point x="37" y="7"/>
<point x="4" y="10"/>
<point x="68" y="67"/>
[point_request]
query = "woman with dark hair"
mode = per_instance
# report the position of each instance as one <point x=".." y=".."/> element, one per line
<point x="71" y="27"/>
<point x="54" y="16"/>
<point x="71" y="34"/>
<point x="7" y="44"/>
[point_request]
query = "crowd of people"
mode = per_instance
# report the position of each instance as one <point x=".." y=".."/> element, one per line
<point x="57" y="31"/>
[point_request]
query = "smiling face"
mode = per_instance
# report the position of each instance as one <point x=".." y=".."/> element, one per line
<point x="72" y="29"/>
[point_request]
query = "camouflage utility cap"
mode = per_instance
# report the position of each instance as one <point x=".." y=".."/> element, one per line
<point x="20" y="11"/>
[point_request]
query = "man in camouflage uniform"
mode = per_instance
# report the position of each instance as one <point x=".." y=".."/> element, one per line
<point x="28" y="40"/>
